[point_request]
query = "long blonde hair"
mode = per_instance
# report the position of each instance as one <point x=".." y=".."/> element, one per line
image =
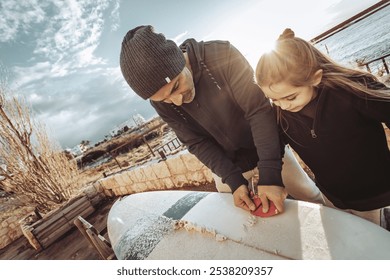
<point x="295" y="61"/>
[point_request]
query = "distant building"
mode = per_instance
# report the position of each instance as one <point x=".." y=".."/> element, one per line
<point x="121" y="127"/>
<point x="138" y="119"/>
<point x="128" y="125"/>
<point x="78" y="149"/>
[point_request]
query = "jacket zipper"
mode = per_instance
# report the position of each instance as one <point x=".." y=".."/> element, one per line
<point x="312" y="130"/>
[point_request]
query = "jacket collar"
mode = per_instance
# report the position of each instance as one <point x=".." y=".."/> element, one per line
<point x="195" y="51"/>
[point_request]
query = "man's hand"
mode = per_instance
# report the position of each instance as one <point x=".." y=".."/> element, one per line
<point x="241" y="199"/>
<point x="274" y="193"/>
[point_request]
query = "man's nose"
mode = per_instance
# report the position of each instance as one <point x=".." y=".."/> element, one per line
<point x="177" y="99"/>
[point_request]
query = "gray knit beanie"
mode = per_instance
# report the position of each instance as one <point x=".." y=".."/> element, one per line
<point x="148" y="61"/>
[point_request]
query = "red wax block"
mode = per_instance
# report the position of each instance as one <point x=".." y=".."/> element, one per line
<point x="259" y="210"/>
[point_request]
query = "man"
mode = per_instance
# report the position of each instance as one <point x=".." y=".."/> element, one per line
<point x="206" y="92"/>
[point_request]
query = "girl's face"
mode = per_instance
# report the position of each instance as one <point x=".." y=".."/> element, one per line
<point x="288" y="97"/>
<point x="293" y="98"/>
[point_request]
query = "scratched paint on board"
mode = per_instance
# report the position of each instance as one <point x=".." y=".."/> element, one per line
<point x="137" y="243"/>
<point x="141" y="239"/>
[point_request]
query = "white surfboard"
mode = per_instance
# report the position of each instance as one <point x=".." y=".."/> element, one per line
<point x="206" y="225"/>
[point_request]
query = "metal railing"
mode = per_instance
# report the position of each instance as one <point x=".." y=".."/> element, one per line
<point x="382" y="58"/>
<point x="170" y="146"/>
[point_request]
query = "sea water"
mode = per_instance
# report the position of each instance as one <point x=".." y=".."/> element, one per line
<point x="363" y="41"/>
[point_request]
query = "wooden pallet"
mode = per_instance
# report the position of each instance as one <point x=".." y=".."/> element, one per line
<point x="56" y="224"/>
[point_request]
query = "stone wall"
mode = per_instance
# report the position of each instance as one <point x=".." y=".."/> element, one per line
<point x="10" y="229"/>
<point x="175" y="172"/>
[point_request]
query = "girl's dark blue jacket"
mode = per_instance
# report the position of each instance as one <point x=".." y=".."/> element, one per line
<point x="349" y="154"/>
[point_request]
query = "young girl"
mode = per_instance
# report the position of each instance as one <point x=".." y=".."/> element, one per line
<point x="333" y="118"/>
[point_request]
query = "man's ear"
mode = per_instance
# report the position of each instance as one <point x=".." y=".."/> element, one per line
<point x="317" y="77"/>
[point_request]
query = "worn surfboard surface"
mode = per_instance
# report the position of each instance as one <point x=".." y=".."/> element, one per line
<point x="206" y="225"/>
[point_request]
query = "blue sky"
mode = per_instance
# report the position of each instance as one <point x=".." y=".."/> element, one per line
<point x="63" y="55"/>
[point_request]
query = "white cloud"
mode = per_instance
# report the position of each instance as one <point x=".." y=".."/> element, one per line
<point x="86" y="58"/>
<point x="115" y="17"/>
<point x="69" y="34"/>
<point x="76" y="26"/>
<point x="62" y="38"/>
<point x="26" y="75"/>
<point x="18" y="16"/>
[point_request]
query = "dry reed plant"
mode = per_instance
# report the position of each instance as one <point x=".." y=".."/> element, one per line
<point x="36" y="169"/>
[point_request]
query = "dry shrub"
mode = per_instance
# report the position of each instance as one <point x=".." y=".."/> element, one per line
<point x="36" y="169"/>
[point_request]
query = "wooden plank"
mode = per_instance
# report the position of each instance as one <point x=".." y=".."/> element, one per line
<point x="71" y="215"/>
<point x="85" y="213"/>
<point x="57" y="211"/>
<point x="95" y="238"/>
<point x="105" y="251"/>
<point x="48" y="238"/>
<point x="38" y="233"/>
<point x="53" y="218"/>
<point x="46" y="218"/>
<point x="53" y="227"/>
<point x="81" y="226"/>
<point x="83" y="201"/>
